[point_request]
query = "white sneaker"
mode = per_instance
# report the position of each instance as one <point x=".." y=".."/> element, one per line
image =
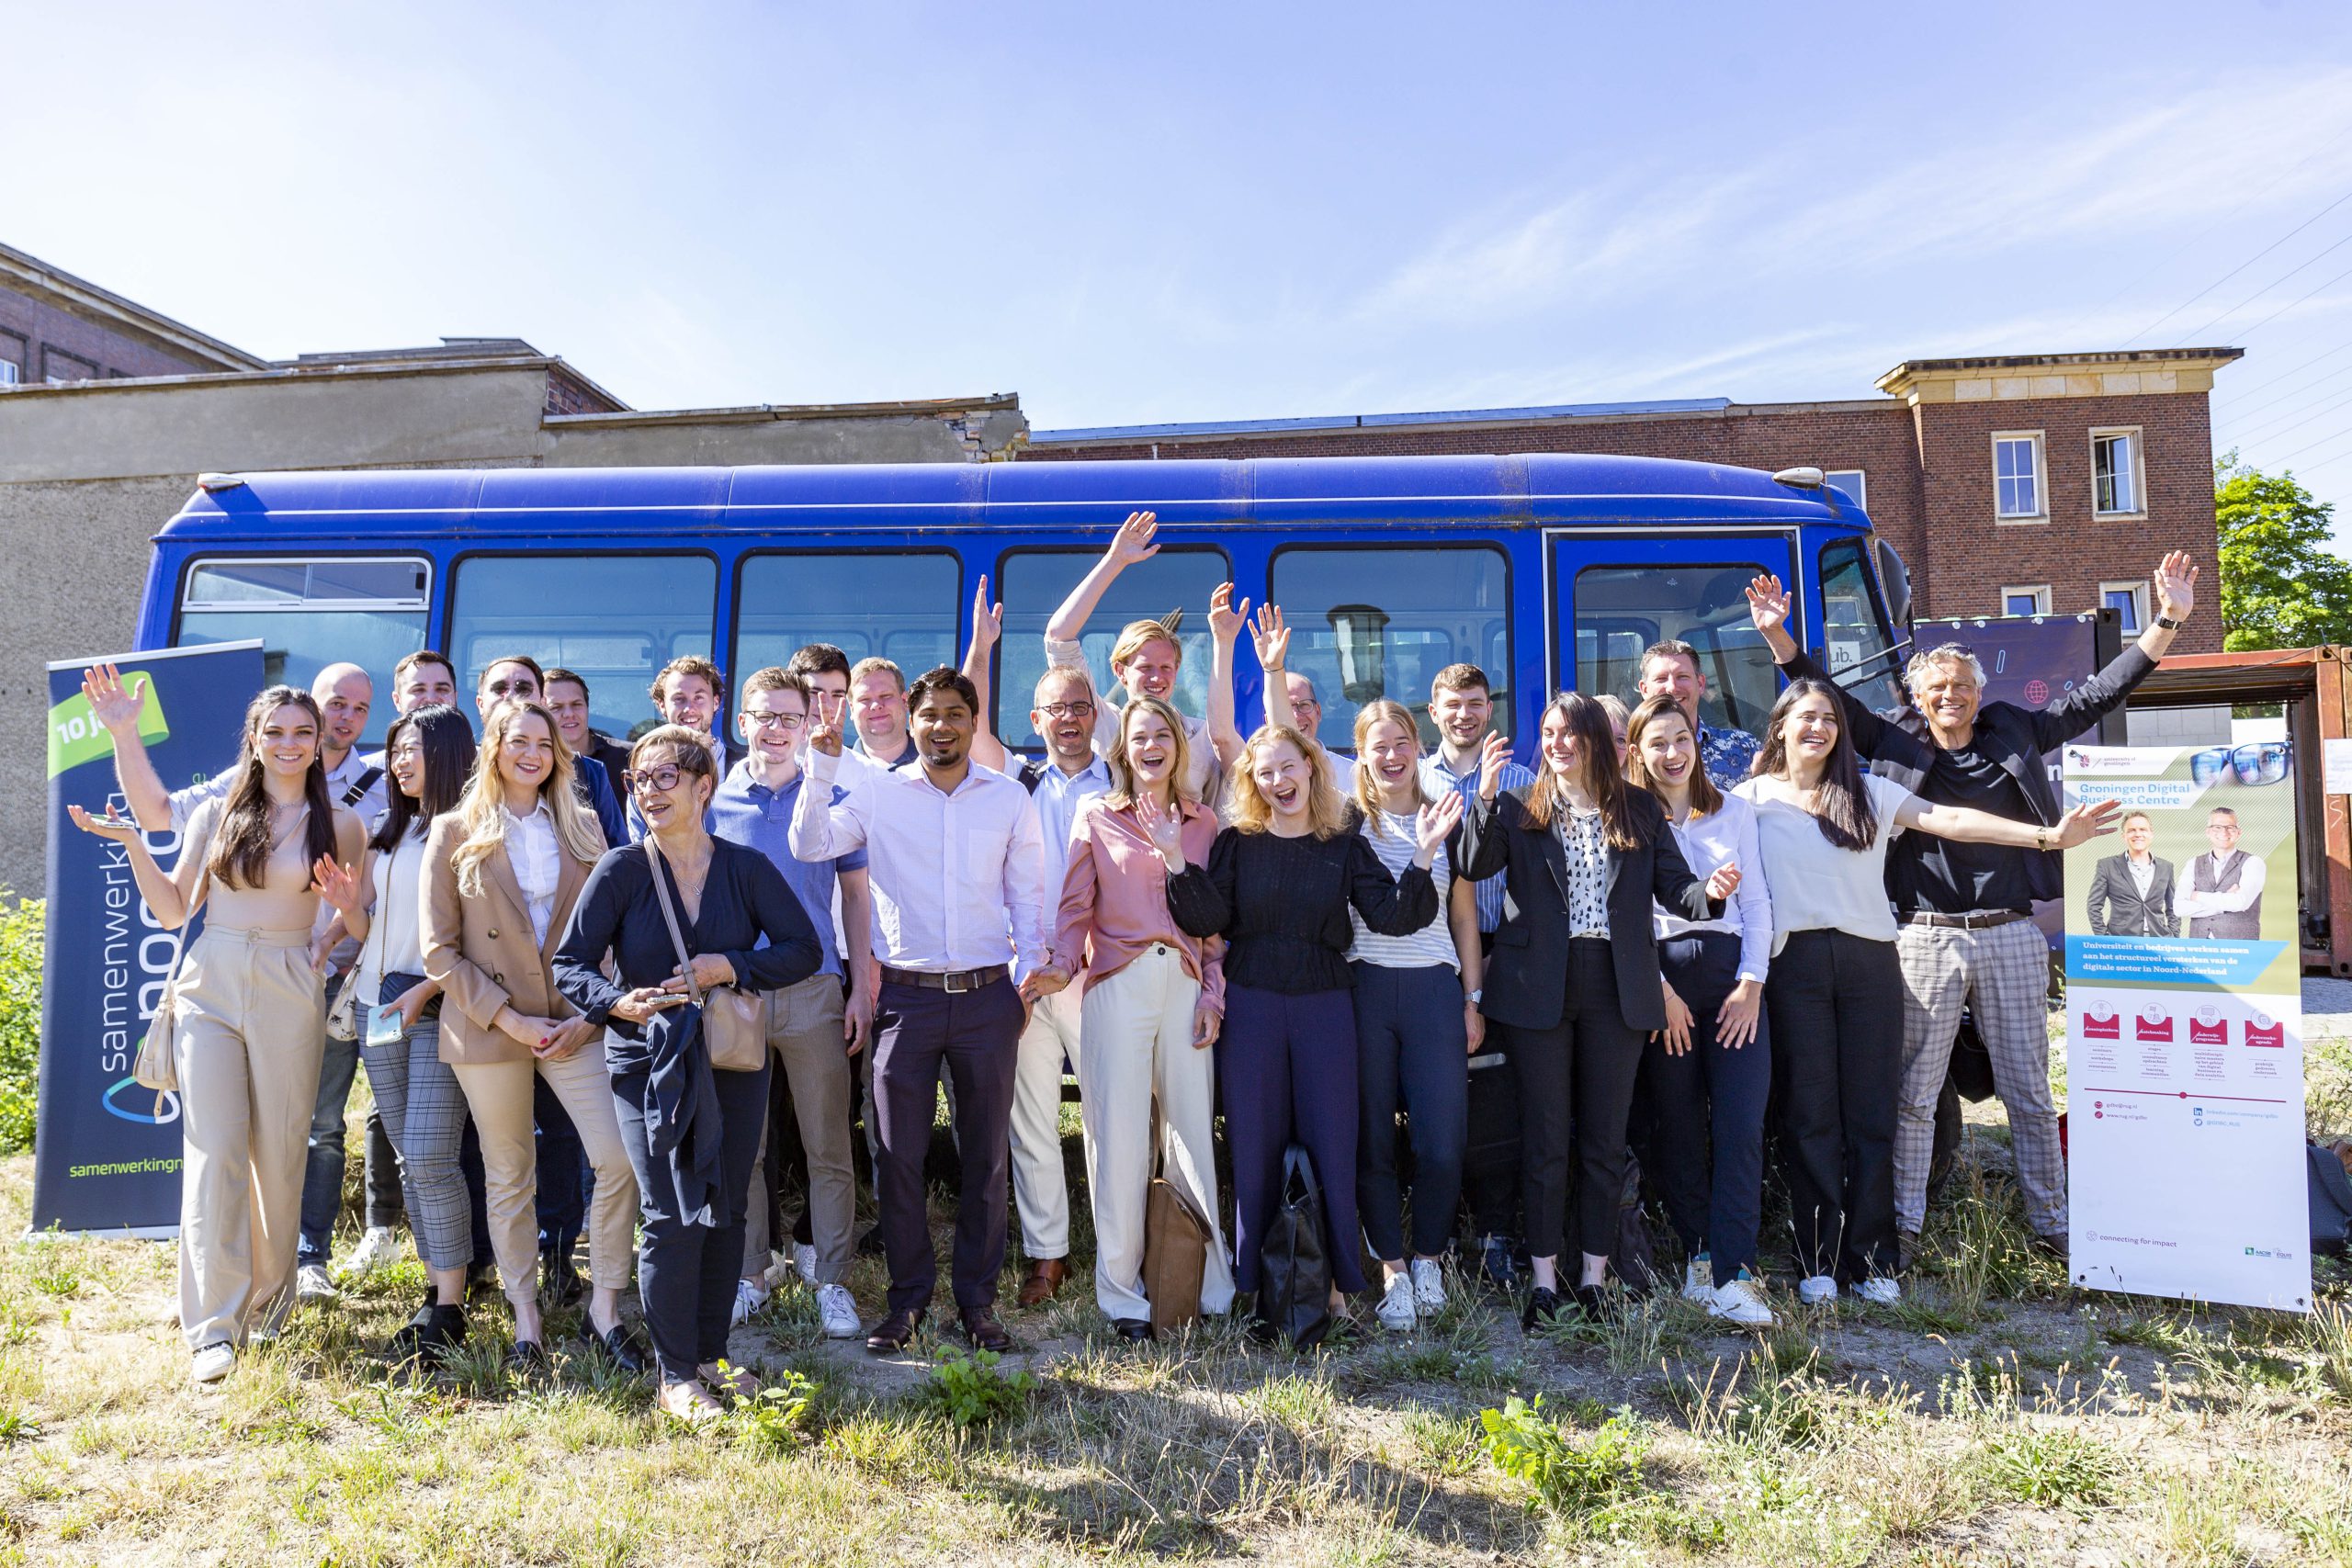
<point x="311" y="1284"/>
<point x="839" y="1311"/>
<point x="1698" y="1281"/>
<point x="1880" y="1290"/>
<point x="1740" y="1302"/>
<point x="804" y="1263"/>
<point x="1429" y="1284"/>
<point x="749" y="1297"/>
<point x="1395" y="1309"/>
<point x="377" y="1247"/>
<point x="1816" y="1288"/>
<point x="213" y="1362"/>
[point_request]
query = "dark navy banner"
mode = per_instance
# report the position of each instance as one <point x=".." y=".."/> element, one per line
<point x="106" y="1155"/>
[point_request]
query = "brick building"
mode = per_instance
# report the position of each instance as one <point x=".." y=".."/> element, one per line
<point x="56" y="329"/>
<point x="2020" y="484"/>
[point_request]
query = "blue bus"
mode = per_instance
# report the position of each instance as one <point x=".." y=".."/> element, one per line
<point x="1545" y="571"/>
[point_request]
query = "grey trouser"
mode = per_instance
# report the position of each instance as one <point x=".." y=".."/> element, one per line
<point x="805" y="1033"/>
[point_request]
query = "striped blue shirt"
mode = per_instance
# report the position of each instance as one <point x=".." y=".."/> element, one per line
<point x="1435" y="776"/>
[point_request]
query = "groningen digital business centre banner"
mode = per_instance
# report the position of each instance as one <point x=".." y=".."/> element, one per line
<point x="106" y="1155"/>
<point x="2185" y="1048"/>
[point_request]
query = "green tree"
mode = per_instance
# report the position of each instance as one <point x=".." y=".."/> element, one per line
<point x="2282" y="584"/>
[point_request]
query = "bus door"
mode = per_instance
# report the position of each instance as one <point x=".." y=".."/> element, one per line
<point x="1614" y="593"/>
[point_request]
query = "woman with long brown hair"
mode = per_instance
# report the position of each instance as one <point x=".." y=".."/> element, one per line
<point x="250" y="1017"/>
<point x="1574" y="979"/>
<point x="502" y="873"/>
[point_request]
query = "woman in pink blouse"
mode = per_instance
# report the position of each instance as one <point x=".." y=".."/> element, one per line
<point x="1153" y="1004"/>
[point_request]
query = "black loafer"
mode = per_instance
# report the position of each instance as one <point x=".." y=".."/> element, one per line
<point x="1598" y="1303"/>
<point x="526" y="1359"/>
<point x="1135" y="1329"/>
<point x="619" y="1347"/>
<point x="429" y="1336"/>
<point x="895" y="1332"/>
<point x="984" y="1332"/>
<point x="1543" y="1302"/>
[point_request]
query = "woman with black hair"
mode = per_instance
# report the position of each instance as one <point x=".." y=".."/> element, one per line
<point x="1574" y="982"/>
<point x="428" y="753"/>
<point x="1835" y="1003"/>
<point x="249" y="1020"/>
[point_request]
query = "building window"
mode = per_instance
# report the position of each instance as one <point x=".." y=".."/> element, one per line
<point x="1380" y="622"/>
<point x="312" y="611"/>
<point x="2114" y="473"/>
<point x="2128" y="600"/>
<point x="1853" y="482"/>
<point x="2017" y="476"/>
<point x="61" y="369"/>
<point x="9" y="373"/>
<point x="2033" y="600"/>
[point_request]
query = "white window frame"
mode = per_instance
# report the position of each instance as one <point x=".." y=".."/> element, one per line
<point x="2139" y="476"/>
<point x="1860" y="491"/>
<point x="2138" y="588"/>
<point x="2037" y="592"/>
<point x="2040" y="477"/>
<point x="422" y="599"/>
<point x="10" y="374"/>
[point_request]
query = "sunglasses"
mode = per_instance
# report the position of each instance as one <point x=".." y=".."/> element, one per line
<point x="2256" y="762"/>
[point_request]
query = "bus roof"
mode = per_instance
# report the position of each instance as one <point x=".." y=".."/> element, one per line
<point x="1537" y="488"/>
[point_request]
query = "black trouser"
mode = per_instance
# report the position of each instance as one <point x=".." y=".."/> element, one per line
<point x="565" y="1175"/>
<point x="1710" y="1100"/>
<point x="1836" y="1005"/>
<point x="1490" y="1155"/>
<point x="686" y="1274"/>
<point x="1579" y="1072"/>
<point x="1411" y="1043"/>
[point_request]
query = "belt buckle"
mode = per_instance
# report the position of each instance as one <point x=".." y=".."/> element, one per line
<point x="958" y="982"/>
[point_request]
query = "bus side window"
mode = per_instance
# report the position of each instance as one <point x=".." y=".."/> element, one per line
<point x="365" y="610"/>
<point x="1621" y="610"/>
<point x="896" y="605"/>
<point x="615" y="620"/>
<point x="1851" y="630"/>
<point x="1381" y="621"/>
<point x="1032" y="584"/>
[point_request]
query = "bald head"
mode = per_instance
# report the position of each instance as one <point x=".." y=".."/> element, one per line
<point x="344" y="693"/>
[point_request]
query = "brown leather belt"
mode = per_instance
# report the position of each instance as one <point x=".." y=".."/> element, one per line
<point x="1985" y="920"/>
<point x="955" y="981"/>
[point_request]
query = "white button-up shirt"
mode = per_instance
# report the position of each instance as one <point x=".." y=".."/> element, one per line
<point x="538" y="865"/>
<point x="958" y="878"/>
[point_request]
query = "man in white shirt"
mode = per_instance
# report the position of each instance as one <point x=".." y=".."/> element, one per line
<point x="2224" y="897"/>
<point x="957" y="867"/>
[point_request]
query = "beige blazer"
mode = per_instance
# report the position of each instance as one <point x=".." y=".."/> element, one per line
<point x="479" y="951"/>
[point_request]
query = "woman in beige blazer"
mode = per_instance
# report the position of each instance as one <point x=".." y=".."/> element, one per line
<point x="502" y="873"/>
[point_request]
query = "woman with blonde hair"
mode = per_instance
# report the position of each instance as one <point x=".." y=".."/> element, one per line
<point x="1417" y="1022"/>
<point x="249" y="1022"/>
<point x="502" y="873"/>
<point x="1278" y="886"/>
<point x="1151" y="1005"/>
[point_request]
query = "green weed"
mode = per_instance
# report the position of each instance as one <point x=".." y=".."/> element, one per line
<point x="1576" y="1481"/>
<point x="970" y="1391"/>
<point x="2053" y="1469"/>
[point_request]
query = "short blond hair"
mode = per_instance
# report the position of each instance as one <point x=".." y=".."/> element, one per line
<point x="1135" y="635"/>
<point x="878" y="666"/>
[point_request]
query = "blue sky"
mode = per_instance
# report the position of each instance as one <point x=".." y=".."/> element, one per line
<point x="1130" y="214"/>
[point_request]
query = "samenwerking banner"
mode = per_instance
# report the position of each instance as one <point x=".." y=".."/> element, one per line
<point x="106" y="1154"/>
<point x="2184" y="1050"/>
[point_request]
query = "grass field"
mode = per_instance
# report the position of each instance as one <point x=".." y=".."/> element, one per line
<point x="1995" y="1417"/>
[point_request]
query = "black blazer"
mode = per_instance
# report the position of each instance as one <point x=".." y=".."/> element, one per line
<point x="2117" y="908"/>
<point x="1527" y="976"/>
<point x="1898" y="747"/>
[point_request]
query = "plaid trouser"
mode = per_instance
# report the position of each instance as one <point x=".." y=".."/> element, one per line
<point x="2002" y="975"/>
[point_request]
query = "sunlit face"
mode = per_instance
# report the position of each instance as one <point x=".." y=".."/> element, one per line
<point x="828" y="683"/>
<point x="526" y="753"/>
<point x="690" y="700"/>
<point x="1303" y="702"/>
<point x="1462" y="716"/>
<point x="772" y="722"/>
<point x="1393" y="753"/>
<point x="1563" y="750"/>
<point x="405" y="762"/>
<point x="568" y="700"/>
<point x="428" y="682"/>
<point x="1617" y="739"/>
<point x="1283" y="776"/>
<point x="1669" y="750"/>
<point x="1063" y="717"/>
<point x="1948" y="694"/>
<point x="1150" y="671"/>
<point x="343" y="703"/>
<point x="2138" y="836"/>
<point x="505" y="681"/>
<point x="2221" y="831"/>
<point x="1151" y="748"/>
<point x="877" y="705"/>
<point x="288" y="740"/>
<point x="1809" y="729"/>
<point x="942" y="727"/>
<point x="1671" y="675"/>
<point x="667" y="790"/>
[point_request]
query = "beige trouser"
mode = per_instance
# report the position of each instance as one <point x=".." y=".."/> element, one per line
<point x="252" y="1016"/>
<point x="1138" y="1027"/>
<point x="804" y="1032"/>
<point x="1040" y="1184"/>
<point x="499" y="1094"/>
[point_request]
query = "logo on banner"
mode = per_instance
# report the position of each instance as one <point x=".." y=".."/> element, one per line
<point x="2153" y="1024"/>
<point x="144" y="1106"/>
<point x="2206" y="1027"/>
<point x="2263" y="1029"/>
<point x="76" y="737"/>
<point x="2101" y="1021"/>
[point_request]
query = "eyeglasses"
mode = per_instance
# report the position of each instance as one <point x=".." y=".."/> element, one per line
<point x="661" y="779"/>
<point x="776" y="720"/>
<point x="1066" y="710"/>
<point x="2256" y="762"/>
<point x="520" y="686"/>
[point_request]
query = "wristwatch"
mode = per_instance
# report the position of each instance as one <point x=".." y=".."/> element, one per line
<point x="2167" y="623"/>
<point x="1477" y="995"/>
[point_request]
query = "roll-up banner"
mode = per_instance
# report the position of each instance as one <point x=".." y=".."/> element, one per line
<point x="2185" y="1046"/>
<point x="106" y="1153"/>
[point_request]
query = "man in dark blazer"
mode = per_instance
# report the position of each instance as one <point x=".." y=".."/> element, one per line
<point x="2132" y="893"/>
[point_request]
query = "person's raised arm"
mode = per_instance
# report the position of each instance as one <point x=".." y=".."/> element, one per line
<point x="1199" y="898"/>
<point x="171" y="897"/>
<point x="2079" y="825"/>
<point x="1769" y="606"/>
<point x="1270" y="633"/>
<point x="1402" y="905"/>
<point x="821" y="827"/>
<point x="988" y="626"/>
<point x="1132" y="544"/>
<point x="117" y="707"/>
<point x="2174" y="584"/>
<point x="1226" y="619"/>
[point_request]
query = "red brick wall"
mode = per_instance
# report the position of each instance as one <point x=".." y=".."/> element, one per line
<point x="32" y="329"/>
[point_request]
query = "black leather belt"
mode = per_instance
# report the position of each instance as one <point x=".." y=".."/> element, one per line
<point x="1984" y="920"/>
<point x="954" y="981"/>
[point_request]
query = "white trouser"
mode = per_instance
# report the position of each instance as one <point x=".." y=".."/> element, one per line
<point x="1040" y="1185"/>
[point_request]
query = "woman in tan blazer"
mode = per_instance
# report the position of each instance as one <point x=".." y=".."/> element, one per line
<point x="502" y="873"/>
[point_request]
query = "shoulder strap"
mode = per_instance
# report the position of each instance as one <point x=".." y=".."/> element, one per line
<point x="1031" y="773"/>
<point x="361" y="785"/>
<point x="670" y="919"/>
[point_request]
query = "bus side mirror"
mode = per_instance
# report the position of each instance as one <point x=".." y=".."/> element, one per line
<point x="1894" y="579"/>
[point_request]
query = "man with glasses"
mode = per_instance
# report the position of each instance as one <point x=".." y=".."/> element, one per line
<point x="1968" y="940"/>
<point x="2224" y="894"/>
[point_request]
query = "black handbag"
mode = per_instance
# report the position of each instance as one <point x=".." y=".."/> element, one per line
<point x="1293" y="1268"/>
<point x="1972" y="1063"/>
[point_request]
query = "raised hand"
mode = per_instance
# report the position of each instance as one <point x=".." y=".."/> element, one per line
<point x="114" y="702"/>
<point x="1436" y="819"/>
<point x="1493" y="753"/>
<point x="1226" y="619"/>
<point x="2175" y="582"/>
<point x="339" y="887"/>
<point x="1724" y="884"/>
<point x="987" y="621"/>
<point x="1133" y="542"/>
<point x="1164" y="828"/>
<point x="2086" y="822"/>
<point x="121" y="830"/>
<point x="824" y="728"/>
<point x="1272" y="637"/>
<point x="1768" y="603"/>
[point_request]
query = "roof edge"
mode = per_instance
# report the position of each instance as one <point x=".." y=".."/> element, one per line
<point x="79" y="291"/>
<point x="753" y="413"/>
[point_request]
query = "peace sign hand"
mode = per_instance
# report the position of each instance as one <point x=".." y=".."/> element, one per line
<point x="825" y="732"/>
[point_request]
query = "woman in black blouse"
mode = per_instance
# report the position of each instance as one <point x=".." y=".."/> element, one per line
<point x="693" y="1132"/>
<point x="1278" y="887"/>
<point x="1574" y="982"/>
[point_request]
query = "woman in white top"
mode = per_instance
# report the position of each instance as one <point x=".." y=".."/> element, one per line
<point x="1836" y="1001"/>
<point x="428" y="752"/>
<point x="1417" y="1022"/>
<point x="1710" y="1081"/>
